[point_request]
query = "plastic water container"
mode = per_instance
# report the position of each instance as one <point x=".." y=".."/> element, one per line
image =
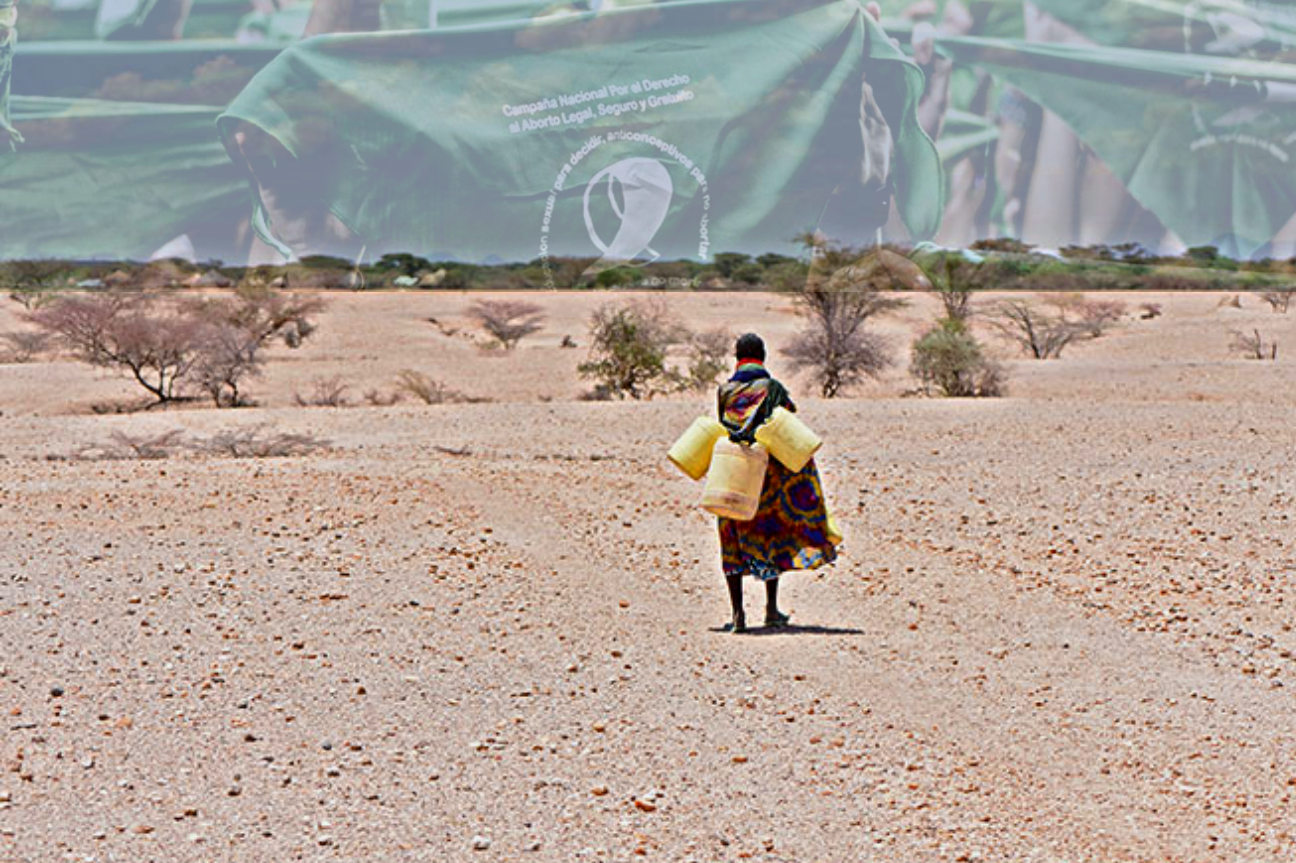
<point x="832" y="531"/>
<point x="734" y="482"/>
<point x="788" y="439"/>
<point x="692" y="452"/>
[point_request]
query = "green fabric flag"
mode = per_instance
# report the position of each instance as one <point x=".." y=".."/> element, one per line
<point x="44" y="20"/>
<point x="288" y="24"/>
<point x="201" y="72"/>
<point x="1001" y="19"/>
<point x="111" y="180"/>
<point x="1215" y="27"/>
<point x="8" y="38"/>
<point x="674" y="131"/>
<point x="1204" y="143"/>
<point x="964" y="134"/>
<point x="139" y="20"/>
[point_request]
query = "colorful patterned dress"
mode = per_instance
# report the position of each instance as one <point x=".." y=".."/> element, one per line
<point x="790" y="529"/>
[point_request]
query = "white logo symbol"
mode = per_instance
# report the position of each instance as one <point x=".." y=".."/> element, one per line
<point x="645" y="198"/>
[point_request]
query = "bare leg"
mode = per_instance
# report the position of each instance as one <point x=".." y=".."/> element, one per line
<point x="1050" y="204"/>
<point x="773" y="617"/>
<point x="734" y="583"/>
<point x="1014" y="156"/>
<point x="959" y="226"/>
<point x="938" y="71"/>
<point x="1106" y="207"/>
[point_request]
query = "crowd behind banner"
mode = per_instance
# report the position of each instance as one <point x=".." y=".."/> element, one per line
<point x="224" y="129"/>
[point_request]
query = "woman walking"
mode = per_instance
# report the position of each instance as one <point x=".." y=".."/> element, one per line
<point x="790" y="529"/>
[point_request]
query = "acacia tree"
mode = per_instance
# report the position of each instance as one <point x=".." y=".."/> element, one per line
<point x="843" y="290"/>
<point x="227" y="356"/>
<point x="507" y="321"/>
<point x="263" y="313"/>
<point x="165" y="345"/>
<point x="132" y="332"/>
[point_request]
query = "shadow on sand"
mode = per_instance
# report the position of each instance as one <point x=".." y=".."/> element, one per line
<point x="791" y="629"/>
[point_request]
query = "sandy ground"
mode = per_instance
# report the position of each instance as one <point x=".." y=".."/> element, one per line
<point x="1060" y="629"/>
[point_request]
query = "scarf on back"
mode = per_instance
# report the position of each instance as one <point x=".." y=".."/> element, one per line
<point x="747" y="399"/>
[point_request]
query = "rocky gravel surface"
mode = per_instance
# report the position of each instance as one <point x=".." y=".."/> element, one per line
<point x="1060" y="631"/>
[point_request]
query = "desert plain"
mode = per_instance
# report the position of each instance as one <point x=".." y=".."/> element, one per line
<point x="1060" y="629"/>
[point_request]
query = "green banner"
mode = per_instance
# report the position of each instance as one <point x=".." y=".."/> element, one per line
<point x="204" y="72"/>
<point x="44" y="20"/>
<point x="997" y="18"/>
<point x="1204" y="143"/>
<point x="677" y="131"/>
<point x="114" y="180"/>
<point x="287" y="24"/>
<point x="1213" y="27"/>
<point x="963" y="135"/>
<point x="8" y="38"/>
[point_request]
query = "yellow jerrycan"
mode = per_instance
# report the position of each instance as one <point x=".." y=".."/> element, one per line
<point x="788" y="439"/>
<point x="734" y="482"/>
<point x="692" y="452"/>
<point x="832" y="532"/>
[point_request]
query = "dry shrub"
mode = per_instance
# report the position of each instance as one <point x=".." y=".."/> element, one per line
<point x="26" y="345"/>
<point x="263" y="313"/>
<point x="1171" y="281"/>
<point x="1066" y="302"/>
<point x="1253" y="346"/>
<point x="841" y="293"/>
<point x="324" y="393"/>
<point x="380" y="399"/>
<point x="122" y="445"/>
<point x="1038" y="334"/>
<point x="426" y="389"/>
<point x="1279" y="301"/>
<point x="628" y="346"/>
<point x="949" y="361"/>
<point x="507" y="321"/>
<point x="708" y="358"/>
<point x="1090" y="318"/>
<point x="227" y="356"/>
<point x="836" y="358"/>
<point x="956" y="279"/>
<point x="1094" y="317"/>
<point x="260" y="441"/>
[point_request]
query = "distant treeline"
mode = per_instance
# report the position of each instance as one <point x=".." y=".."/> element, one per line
<point x="1003" y="264"/>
